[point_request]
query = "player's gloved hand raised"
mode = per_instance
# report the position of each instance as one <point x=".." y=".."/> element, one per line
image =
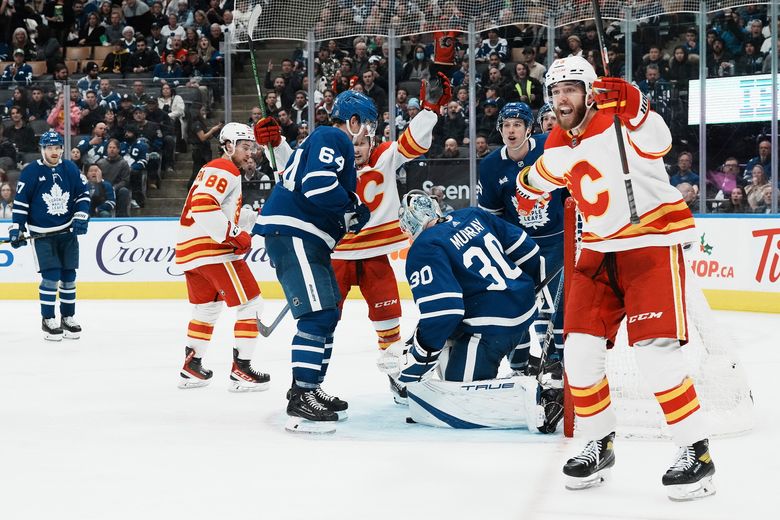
<point x="356" y="216"/>
<point x="240" y="240"/>
<point x="619" y="97"/>
<point x="15" y="232"/>
<point x="418" y="363"/>
<point x="526" y="195"/>
<point x="268" y="132"/>
<point x="436" y="93"/>
<point x="80" y="223"/>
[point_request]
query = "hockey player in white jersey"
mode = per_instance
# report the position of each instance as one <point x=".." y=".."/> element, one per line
<point x="624" y="269"/>
<point x="52" y="202"/>
<point x="210" y="250"/>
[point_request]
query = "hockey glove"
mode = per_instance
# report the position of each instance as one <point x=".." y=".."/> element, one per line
<point x="15" y="235"/>
<point x="526" y="195"/>
<point x="418" y="363"/>
<point x="389" y="361"/>
<point x="619" y="97"/>
<point x="436" y="94"/>
<point x="551" y="402"/>
<point x="240" y="240"/>
<point x="268" y="132"/>
<point x="356" y="215"/>
<point x="80" y="222"/>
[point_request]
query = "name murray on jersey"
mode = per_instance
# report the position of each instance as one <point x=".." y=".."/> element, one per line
<point x="462" y="237"/>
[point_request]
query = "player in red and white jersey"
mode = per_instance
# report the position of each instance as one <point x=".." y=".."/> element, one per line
<point x="624" y="269"/>
<point x="210" y="251"/>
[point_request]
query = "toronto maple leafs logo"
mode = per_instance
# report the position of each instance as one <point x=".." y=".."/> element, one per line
<point x="538" y="217"/>
<point x="56" y="201"/>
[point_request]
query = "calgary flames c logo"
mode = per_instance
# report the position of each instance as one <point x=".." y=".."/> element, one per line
<point x="590" y="205"/>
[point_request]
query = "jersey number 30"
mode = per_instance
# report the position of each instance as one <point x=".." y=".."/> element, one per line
<point x="494" y="264"/>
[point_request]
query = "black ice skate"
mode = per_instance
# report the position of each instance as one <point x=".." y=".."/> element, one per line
<point x="70" y="327"/>
<point x="398" y="390"/>
<point x="307" y="413"/>
<point x="332" y="403"/>
<point x="591" y="467"/>
<point x="51" y="329"/>
<point x="244" y="378"/>
<point x="690" y="477"/>
<point x="193" y="375"/>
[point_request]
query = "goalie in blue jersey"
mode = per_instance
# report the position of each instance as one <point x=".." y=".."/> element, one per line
<point x="52" y="202"/>
<point x="473" y="278"/>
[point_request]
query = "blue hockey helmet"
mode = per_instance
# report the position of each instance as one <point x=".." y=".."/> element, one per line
<point x="51" y="138"/>
<point x="546" y="109"/>
<point x="516" y="110"/>
<point x="417" y="209"/>
<point x="351" y="103"/>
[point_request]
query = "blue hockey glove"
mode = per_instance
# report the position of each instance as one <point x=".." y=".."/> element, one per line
<point x="356" y="216"/>
<point x="418" y="363"/>
<point x="15" y="235"/>
<point x="80" y="221"/>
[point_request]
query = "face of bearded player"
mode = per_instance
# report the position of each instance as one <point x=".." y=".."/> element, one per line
<point x="569" y="103"/>
<point x="362" y="152"/>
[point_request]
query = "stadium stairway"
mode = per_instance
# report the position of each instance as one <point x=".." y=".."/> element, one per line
<point x="169" y="199"/>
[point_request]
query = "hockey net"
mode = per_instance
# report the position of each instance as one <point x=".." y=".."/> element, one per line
<point x="713" y="364"/>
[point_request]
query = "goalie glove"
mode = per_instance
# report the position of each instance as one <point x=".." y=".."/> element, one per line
<point x="418" y="363"/>
<point x="618" y="97"/>
<point x="526" y="195"/>
<point x="436" y="94"/>
<point x="389" y="360"/>
<point x="356" y="216"/>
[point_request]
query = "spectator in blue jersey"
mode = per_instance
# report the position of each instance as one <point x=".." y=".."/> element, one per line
<point x="52" y="202"/>
<point x="101" y="193"/>
<point x="137" y="156"/>
<point x="106" y="96"/>
<point x="496" y="194"/>
<point x="303" y="219"/>
<point x="492" y="44"/>
<point x="91" y="81"/>
<point x="18" y="72"/>
<point x="764" y="158"/>
<point x="684" y="172"/>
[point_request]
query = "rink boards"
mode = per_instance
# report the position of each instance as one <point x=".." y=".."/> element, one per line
<point x="736" y="262"/>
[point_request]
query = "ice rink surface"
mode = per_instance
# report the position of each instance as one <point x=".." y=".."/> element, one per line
<point x="97" y="429"/>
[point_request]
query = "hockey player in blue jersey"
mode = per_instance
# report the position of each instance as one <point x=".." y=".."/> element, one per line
<point x="472" y="276"/>
<point x="496" y="194"/>
<point x="309" y="210"/>
<point x="52" y="202"/>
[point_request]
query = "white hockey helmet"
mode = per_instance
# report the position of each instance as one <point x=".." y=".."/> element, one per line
<point x="235" y="132"/>
<point x="571" y="68"/>
<point x="417" y="209"/>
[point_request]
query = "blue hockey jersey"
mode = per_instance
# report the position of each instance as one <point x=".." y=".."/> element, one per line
<point x="473" y="273"/>
<point x="312" y="195"/>
<point x="496" y="191"/>
<point x="47" y="198"/>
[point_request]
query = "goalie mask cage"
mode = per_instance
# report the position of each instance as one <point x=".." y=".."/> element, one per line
<point x="713" y="364"/>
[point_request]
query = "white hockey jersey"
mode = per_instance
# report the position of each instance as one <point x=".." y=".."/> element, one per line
<point x="589" y="166"/>
<point x="210" y="212"/>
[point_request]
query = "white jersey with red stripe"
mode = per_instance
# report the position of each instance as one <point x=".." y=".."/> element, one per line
<point x="378" y="190"/>
<point x="589" y="166"/>
<point x="210" y="212"/>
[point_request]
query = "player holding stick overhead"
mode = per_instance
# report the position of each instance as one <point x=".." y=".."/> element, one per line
<point x="210" y="251"/>
<point x="624" y="269"/>
<point x="52" y="201"/>
<point x="312" y="207"/>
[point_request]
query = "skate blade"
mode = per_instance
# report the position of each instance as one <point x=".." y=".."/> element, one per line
<point x="685" y="492"/>
<point x="342" y="416"/>
<point x="595" y="480"/>
<point x="185" y="383"/>
<point x="300" y="425"/>
<point x="240" y="387"/>
<point x="71" y="335"/>
<point x="52" y="337"/>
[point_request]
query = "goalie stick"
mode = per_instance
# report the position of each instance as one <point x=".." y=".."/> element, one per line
<point x="618" y="126"/>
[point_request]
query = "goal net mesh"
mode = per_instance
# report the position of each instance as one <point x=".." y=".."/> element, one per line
<point x="712" y="362"/>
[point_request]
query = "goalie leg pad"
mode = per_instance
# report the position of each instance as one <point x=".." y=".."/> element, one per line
<point x="495" y="404"/>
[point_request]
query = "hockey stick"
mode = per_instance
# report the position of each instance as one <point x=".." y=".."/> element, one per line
<point x="34" y="237"/>
<point x="618" y="126"/>
<point x="249" y="28"/>
<point x="550" y="326"/>
<point x="266" y="330"/>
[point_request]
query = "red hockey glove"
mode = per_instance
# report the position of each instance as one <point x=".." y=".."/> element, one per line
<point x="436" y="93"/>
<point x="239" y="239"/>
<point x="268" y="132"/>
<point x="617" y="96"/>
<point x="526" y="195"/>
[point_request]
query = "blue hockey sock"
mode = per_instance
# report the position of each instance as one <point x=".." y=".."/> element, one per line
<point x="47" y="292"/>
<point x="326" y="357"/>
<point x="68" y="293"/>
<point x="308" y="351"/>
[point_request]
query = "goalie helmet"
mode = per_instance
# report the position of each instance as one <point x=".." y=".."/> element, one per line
<point x="351" y="103"/>
<point x="515" y="110"/>
<point x="235" y="132"/>
<point x="571" y="68"/>
<point x="417" y="209"/>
